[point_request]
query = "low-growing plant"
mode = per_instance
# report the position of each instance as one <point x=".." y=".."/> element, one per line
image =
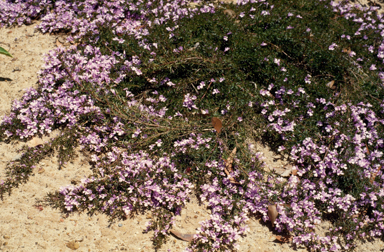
<point x="5" y="52"/>
<point x="161" y="93"/>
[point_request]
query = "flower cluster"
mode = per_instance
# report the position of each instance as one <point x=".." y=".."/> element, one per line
<point x="129" y="93"/>
<point x="119" y="189"/>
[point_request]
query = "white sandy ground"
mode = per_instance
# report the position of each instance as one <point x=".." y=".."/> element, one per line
<point x="24" y="227"/>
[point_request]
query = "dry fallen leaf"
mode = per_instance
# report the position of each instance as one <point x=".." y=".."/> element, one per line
<point x="228" y="166"/>
<point x="139" y="27"/>
<point x="376" y="172"/>
<point x="229" y="161"/>
<point x="330" y="84"/>
<point x="362" y="213"/>
<point x="58" y="44"/>
<point x="284" y="238"/>
<point x="374" y="175"/>
<point x="272" y="213"/>
<point x="184" y="237"/>
<point x="347" y="50"/>
<point x="216" y="123"/>
<point x="286" y="173"/>
<point x="230" y="13"/>
<point x="232" y="180"/>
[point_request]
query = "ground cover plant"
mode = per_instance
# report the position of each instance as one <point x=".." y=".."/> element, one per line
<point x="163" y="94"/>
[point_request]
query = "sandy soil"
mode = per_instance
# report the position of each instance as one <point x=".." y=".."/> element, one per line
<point x="25" y="227"/>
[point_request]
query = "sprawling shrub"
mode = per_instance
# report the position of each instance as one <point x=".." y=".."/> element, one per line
<point x="160" y="93"/>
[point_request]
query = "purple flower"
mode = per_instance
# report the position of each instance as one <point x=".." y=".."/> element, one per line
<point x="332" y="47"/>
<point x="372" y="67"/>
<point x="189" y="101"/>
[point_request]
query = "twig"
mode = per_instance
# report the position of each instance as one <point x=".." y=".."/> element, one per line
<point x="190" y="58"/>
<point x="206" y="91"/>
<point x="245" y="90"/>
<point x="281" y="50"/>
<point x="375" y="98"/>
<point x="195" y="88"/>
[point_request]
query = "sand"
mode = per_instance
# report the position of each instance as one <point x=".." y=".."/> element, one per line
<point x="27" y="227"/>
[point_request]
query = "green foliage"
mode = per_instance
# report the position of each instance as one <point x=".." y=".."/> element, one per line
<point x="5" y="52"/>
<point x="236" y="56"/>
